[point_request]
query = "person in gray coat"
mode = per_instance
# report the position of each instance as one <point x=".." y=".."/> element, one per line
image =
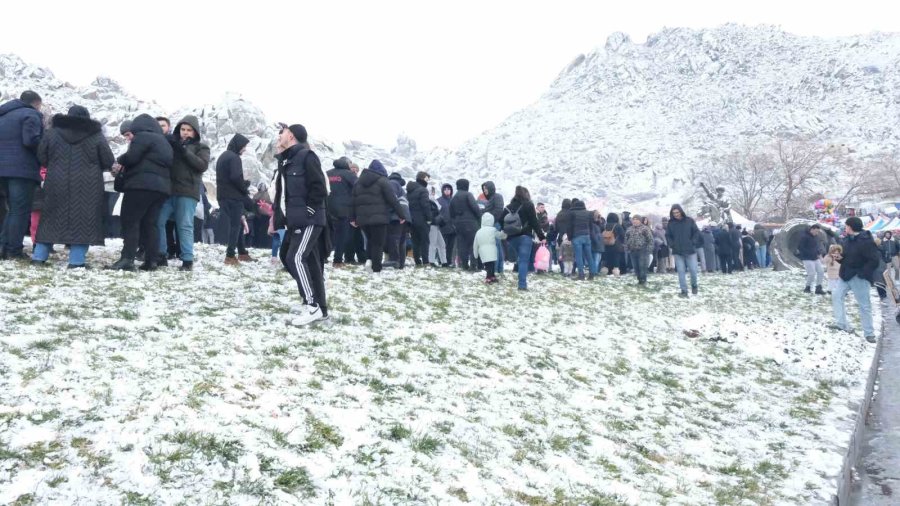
<point x="709" y="249"/>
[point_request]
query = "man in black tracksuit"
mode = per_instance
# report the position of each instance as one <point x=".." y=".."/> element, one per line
<point x="341" y="180"/>
<point x="466" y="217"/>
<point x="231" y="190"/>
<point x="300" y="193"/>
<point x="422" y="215"/>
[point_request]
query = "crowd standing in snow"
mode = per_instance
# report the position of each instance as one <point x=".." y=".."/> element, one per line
<point x="63" y="185"/>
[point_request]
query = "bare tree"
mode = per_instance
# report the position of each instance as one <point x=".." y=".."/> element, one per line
<point x="748" y="176"/>
<point x="882" y="175"/>
<point x="802" y="167"/>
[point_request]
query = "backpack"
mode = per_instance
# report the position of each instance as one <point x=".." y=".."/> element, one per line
<point x="512" y="222"/>
<point x="609" y="237"/>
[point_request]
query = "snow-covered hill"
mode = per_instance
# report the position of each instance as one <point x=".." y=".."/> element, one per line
<point x="627" y="121"/>
<point x="620" y="127"/>
<point x="110" y="104"/>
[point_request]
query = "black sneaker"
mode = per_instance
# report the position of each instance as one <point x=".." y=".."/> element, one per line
<point x="694" y="290"/>
<point x="683" y="294"/>
<point x="161" y="261"/>
<point x="39" y="263"/>
<point x="82" y="266"/>
<point x="186" y="265"/>
<point x="148" y="266"/>
<point x="871" y="339"/>
<point x="807" y="290"/>
<point x="819" y="290"/>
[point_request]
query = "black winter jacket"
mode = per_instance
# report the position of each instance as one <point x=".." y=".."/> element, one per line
<point x="860" y="258"/>
<point x="580" y="220"/>
<point x="445" y="221"/>
<point x="494" y="203"/>
<point x="464" y="211"/>
<point x="373" y="199"/>
<point x="341" y="179"/>
<point x="300" y="189"/>
<point x="148" y="159"/>
<point x="682" y="234"/>
<point x="230" y="182"/>
<point x="808" y="249"/>
<point x="419" y="203"/>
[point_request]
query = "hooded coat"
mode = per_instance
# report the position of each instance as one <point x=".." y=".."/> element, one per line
<point x="149" y="158"/>
<point x="342" y="180"/>
<point x="21" y="128"/>
<point x="493" y="200"/>
<point x="612" y="224"/>
<point x="682" y="234"/>
<point x="76" y="154"/>
<point x="419" y="203"/>
<point x="190" y="162"/>
<point x="564" y="218"/>
<point x="374" y="197"/>
<point x="230" y="182"/>
<point x="485" y="245"/>
<point x="464" y="211"/>
<point x="444" y="220"/>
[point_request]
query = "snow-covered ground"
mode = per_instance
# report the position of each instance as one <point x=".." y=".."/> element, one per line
<point x="428" y="388"/>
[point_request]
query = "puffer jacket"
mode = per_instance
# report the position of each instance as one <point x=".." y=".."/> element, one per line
<point x="485" y="245"/>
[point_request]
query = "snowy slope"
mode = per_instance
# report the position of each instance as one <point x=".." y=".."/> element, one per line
<point x="626" y="122"/>
<point x="141" y="388"/>
<point x="110" y="104"/>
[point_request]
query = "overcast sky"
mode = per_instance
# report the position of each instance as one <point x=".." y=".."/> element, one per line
<point x="441" y="72"/>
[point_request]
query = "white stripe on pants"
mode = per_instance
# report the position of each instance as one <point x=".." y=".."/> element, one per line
<point x="302" y="270"/>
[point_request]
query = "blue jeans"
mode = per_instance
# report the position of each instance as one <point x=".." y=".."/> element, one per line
<point x="183" y="210"/>
<point x="595" y="261"/>
<point x="77" y="253"/>
<point x="583" y="255"/>
<point x="761" y="255"/>
<point x="276" y="241"/>
<point x="860" y="288"/>
<point x="500" y="253"/>
<point x="19" y="194"/>
<point x="683" y="263"/>
<point x="522" y="244"/>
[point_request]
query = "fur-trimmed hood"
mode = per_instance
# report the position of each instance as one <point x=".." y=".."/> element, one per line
<point x="74" y="129"/>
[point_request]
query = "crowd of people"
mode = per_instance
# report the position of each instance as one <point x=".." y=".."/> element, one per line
<point x="361" y="216"/>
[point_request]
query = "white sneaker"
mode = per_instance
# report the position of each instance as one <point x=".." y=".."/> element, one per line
<point x="368" y="266"/>
<point x="308" y="315"/>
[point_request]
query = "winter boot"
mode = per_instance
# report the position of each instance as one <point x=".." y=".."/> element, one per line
<point x="148" y="266"/>
<point x="580" y="277"/>
<point x="807" y="290"/>
<point x="683" y="294"/>
<point x="124" y="264"/>
<point x="819" y="290"/>
<point x="694" y="290"/>
<point x="161" y="261"/>
<point x="245" y="257"/>
<point x="186" y="265"/>
<point x="231" y="261"/>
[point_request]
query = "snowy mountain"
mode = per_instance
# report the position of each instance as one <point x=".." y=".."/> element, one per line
<point x="110" y="104"/>
<point x="620" y="127"/>
<point x="624" y="123"/>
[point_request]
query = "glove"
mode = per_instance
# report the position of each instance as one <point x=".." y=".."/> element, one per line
<point x="310" y="211"/>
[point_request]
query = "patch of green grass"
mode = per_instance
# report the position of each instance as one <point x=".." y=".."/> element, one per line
<point x="130" y="498"/>
<point x="321" y="434"/>
<point x="47" y="345"/>
<point x="398" y="432"/>
<point x="459" y="493"/>
<point x="56" y="480"/>
<point x="426" y="444"/>
<point x="296" y="481"/>
<point x="207" y="445"/>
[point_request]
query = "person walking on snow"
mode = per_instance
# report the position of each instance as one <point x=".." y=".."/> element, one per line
<point x="682" y="234"/>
